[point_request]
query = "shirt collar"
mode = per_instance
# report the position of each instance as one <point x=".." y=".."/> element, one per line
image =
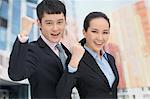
<point x="50" y="44"/>
<point x="94" y="54"/>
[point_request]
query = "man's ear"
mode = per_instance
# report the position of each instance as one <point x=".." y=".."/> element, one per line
<point x="39" y="24"/>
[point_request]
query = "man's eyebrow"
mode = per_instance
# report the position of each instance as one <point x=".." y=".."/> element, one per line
<point x="52" y="20"/>
<point x="48" y="20"/>
<point x="60" y="19"/>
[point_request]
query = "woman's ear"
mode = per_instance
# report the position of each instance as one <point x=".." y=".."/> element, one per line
<point x="84" y="32"/>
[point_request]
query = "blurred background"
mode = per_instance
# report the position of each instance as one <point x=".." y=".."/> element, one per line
<point x="129" y="42"/>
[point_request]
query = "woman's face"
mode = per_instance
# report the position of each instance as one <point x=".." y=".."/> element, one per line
<point x="97" y="34"/>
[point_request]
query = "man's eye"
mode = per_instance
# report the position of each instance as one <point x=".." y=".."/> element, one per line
<point x="94" y="31"/>
<point x="49" y="23"/>
<point x="60" y="22"/>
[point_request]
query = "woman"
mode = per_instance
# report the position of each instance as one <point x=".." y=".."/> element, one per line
<point x="94" y="72"/>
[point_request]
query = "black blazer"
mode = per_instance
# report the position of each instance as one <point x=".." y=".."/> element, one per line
<point x="89" y="80"/>
<point x="37" y="62"/>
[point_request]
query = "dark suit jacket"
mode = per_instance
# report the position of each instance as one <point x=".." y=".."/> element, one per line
<point x="89" y="80"/>
<point x="37" y="62"/>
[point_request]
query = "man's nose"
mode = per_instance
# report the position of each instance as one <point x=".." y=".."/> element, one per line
<point x="55" y="27"/>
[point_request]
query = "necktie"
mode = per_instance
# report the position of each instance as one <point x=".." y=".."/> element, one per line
<point x="61" y="54"/>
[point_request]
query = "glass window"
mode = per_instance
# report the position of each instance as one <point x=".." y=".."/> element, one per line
<point x="31" y="12"/>
<point x="3" y="23"/>
<point x="16" y="16"/>
<point x="4" y="9"/>
<point x="32" y="1"/>
<point x="2" y="38"/>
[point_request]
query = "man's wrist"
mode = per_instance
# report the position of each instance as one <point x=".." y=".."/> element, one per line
<point x="23" y="38"/>
<point x="23" y="34"/>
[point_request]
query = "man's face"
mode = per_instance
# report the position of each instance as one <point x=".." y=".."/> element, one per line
<point x="52" y="26"/>
<point x="97" y="34"/>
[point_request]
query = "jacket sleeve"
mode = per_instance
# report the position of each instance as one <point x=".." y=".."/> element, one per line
<point x="20" y="62"/>
<point x="65" y="85"/>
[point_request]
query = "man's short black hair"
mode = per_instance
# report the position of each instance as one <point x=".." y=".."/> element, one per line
<point x="50" y="7"/>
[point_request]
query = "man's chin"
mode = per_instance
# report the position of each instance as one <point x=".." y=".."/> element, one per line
<point x="56" y="41"/>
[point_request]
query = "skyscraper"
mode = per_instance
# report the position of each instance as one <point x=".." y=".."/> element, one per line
<point x="11" y="12"/>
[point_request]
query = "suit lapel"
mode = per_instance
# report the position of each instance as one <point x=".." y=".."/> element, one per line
<point x="50" y="52"/>
<point x="90" y="61"/>
<point x="113" y="67"/>
<point x="46" y="48"/>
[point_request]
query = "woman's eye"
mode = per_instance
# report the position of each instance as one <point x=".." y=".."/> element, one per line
<point x="105" y="32"/>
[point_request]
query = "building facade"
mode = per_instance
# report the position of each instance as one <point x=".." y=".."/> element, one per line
<point x="11" y="12"/>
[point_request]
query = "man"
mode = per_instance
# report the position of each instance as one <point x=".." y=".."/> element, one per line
<point x="39" y="60"/>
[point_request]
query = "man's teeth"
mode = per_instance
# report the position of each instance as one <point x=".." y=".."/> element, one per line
<point x="55" y="34"/>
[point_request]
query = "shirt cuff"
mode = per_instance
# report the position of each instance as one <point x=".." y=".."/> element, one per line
<point x="71" y="69"/>
<point x="23" y="39"/>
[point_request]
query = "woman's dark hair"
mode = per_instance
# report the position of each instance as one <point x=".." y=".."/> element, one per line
<point x="93" y="15"/>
